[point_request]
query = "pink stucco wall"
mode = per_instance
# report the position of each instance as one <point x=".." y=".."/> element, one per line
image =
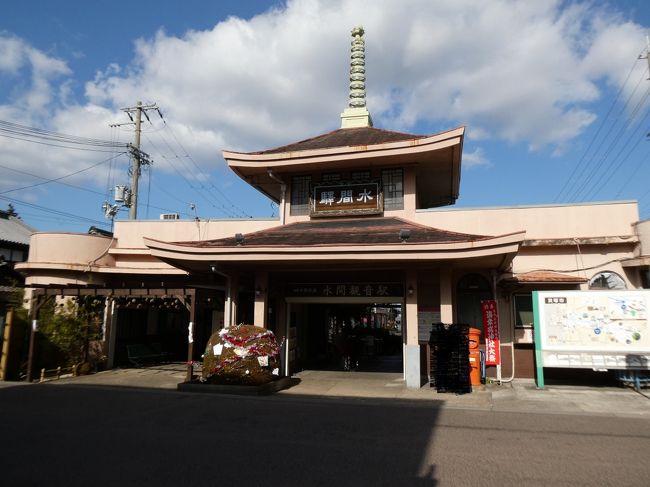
<point x="70" y="248"/>
<point x="539" y="222"/>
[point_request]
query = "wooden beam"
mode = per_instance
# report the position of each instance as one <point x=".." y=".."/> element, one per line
<point x="77" y="291"/>
<point x="34" y="308"/>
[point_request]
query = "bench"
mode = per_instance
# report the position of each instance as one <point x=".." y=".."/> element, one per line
<point x="140" y="354"/>
<point x="634" y="378"/>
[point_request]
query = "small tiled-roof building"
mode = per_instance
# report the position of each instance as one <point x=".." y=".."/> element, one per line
<point x="14" y="246"/>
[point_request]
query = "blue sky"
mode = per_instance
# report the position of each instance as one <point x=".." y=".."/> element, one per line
<point x="552" y="94"/>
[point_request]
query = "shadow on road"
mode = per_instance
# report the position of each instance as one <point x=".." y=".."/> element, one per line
<point x="81" y="435"/>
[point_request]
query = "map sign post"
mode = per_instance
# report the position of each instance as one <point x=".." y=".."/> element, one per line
<point x="539" y="366"/>
<point x="598" y="330"/>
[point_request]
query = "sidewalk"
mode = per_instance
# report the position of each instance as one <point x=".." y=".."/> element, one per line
<point x="519" y="396"/>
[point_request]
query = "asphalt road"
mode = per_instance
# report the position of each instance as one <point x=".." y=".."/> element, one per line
<point x="71" y="435"/>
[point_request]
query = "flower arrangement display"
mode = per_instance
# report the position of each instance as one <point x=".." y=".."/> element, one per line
<point x="241" y="354"/>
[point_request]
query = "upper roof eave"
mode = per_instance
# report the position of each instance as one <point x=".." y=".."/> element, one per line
<point x="415" y="145"/>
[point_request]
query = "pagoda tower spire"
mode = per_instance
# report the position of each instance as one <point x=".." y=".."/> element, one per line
<point x="356" y="114"/>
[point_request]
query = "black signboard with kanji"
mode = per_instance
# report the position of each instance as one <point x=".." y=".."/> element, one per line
<point x="363" y="198"/>
<point x="371" y="290"/>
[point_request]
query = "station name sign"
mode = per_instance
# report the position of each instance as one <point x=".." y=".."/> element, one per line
<point x="362" y="198"/>
<point x="375" y="290"/>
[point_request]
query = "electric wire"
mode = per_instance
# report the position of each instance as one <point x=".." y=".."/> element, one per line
<point x="633" y="173"/>
<point x="65" y="141"/>
<point x="568" y="182"/>
<point x="53" y="211"/>
<point x="56" y="139"/>
<point x="213" y="201"/>
<point x="171" y="195"/>
<point x="17" y="129"/>
<point x="579" y="188"/>
<point x="234" y="210"/>
<point x="80" y="188"/>
<point x="636" y="133"/>
<point x="53" y="180"/>
<point x="212" y="186"/>
<point x="85" y="149"/>
<point x="149" y="171"/>
<point x="57" y="182"/>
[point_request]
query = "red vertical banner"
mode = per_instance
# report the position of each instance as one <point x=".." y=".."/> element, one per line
<point x="491" y="332"/>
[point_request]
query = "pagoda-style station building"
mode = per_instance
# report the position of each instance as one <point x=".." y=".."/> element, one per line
<point x="367" y="245"/>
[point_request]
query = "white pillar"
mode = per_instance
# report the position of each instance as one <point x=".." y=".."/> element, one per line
<point x="112" y="333"/>
<point x="261" y="298"/>
<point x="231" y="301"/>
<point x="412" y="372"/>
<point x="446" y="307"/>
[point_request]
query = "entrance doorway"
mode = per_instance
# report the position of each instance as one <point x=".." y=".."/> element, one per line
<point x="471" y="290"/>
<point x="347" y="336"/>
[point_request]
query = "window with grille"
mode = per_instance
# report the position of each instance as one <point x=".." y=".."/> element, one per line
<point x="393" y="184"/>
<point x="331" y="176"/>
<point x="300" y="188"/>
<point x="523" y="309"/>
<point x="360" y="175"/>
<point x="607" y="280"/>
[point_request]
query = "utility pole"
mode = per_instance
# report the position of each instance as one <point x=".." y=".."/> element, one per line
<point x="138" y="157"/>
<point x="647" y="52"/>
<point x="135" y="169"/>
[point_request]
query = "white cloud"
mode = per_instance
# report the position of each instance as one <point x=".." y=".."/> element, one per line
<point x="475" y="158"/>
<point x="16" y="55"/>
<point x="524" y="71"/>
<point x="11" y="54"/>
<point x="516" y="71"/>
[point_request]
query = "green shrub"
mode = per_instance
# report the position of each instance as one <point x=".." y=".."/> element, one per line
<point x="68" y="329"/>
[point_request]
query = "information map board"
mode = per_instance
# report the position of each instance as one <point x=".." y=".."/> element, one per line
<point x="592" y="329"/>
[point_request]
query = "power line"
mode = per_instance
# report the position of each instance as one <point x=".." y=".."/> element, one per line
<point x="613" y="170"/>
<point x="635" y="133"/>
<point x="54" y="180"/>
<point x="55" y="212"/>
<point x="633" y="173"/>
<point x="81" y="188"/>
<point x="58" y="182"/>
<point x="612" y="143"/>
<point x="236" y="208"/>
<point x="582" y="165"/>
<point x="205" y="195"/>
<point x="55" y="139"/>
<point x="55" y="145"/>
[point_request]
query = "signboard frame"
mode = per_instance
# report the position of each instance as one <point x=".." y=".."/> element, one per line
<point x="346" y="198"/>
<point x="490" y="312"/>
<point x="597" y="330"/>
<point x="368" y="291"/>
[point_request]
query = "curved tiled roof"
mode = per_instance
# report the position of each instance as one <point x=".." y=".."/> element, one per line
<point x="352" y="231"/>
<point x="14" y="230"/>
<point x="536" y="277"/>
<point x="344" y="138"/>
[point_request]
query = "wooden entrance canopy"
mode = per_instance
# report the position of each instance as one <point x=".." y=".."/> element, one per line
<point x="40" y="295"/>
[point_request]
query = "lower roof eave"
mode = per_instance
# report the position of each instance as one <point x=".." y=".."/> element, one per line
<point x="31" y="268"/>
<point x="499" y="258"/>
<point x="488" y="243"/>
